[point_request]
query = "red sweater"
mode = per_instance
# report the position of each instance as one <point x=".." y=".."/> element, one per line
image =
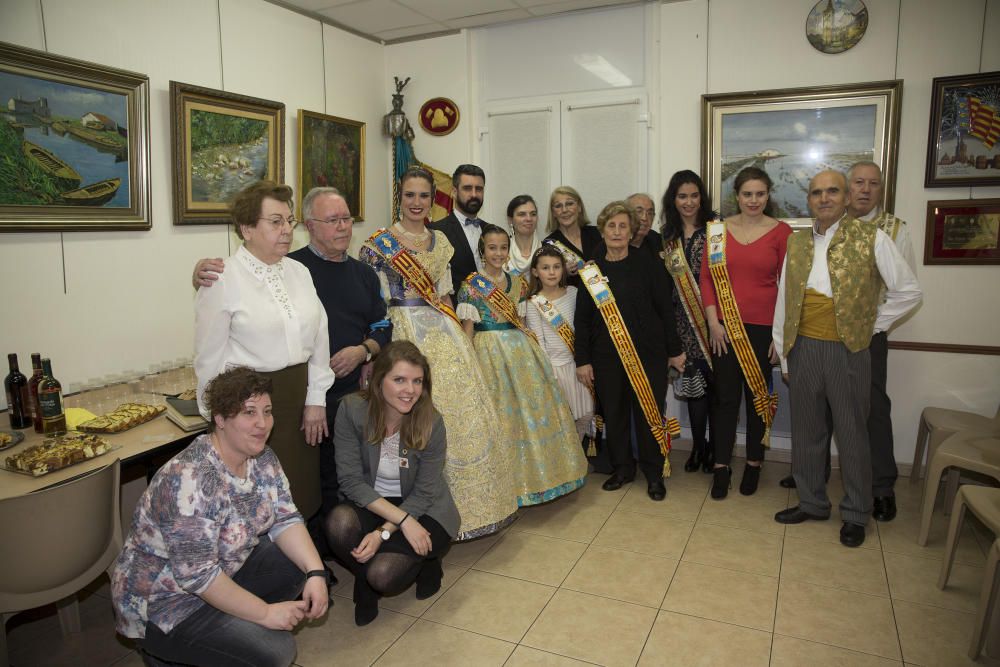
<point x="753" y="273"/>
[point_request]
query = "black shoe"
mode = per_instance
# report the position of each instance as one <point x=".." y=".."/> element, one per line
<point x="885" y="508"/>
<point x="721" y="483"/>
<point x="657" y="490"/>
<point x="617" y="481"/>
<point x="429" y="579"/>
<point x="708" y="459"/>
<point x="694" y="461"/>
<point x="787" y="482"/>
<point x="797" y="515"/>
<point x="751" y="477"/>
<point x="365" y="602"/>
<point x="852" y="534"/>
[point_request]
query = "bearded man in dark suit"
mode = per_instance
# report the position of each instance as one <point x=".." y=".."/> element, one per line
<point x="462" y="226"/>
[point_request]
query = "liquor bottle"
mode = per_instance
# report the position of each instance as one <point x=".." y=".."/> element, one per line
<point x="18" y="401"/>
<point x="36" y="377"/>
<point x="50" y="401"/>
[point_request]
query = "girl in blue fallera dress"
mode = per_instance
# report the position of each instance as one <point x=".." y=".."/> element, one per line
<point x="547" y="461"/>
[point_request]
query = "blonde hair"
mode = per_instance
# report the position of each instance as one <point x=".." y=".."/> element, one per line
<point x="566" y="191"/>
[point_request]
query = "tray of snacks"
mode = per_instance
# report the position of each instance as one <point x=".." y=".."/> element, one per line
<point x="124" y="417"/>
<point x="57" y="453"/>
<point x="10" y="438"/>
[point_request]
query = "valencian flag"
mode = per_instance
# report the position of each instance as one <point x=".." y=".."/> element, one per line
<point x="984" y="122"/>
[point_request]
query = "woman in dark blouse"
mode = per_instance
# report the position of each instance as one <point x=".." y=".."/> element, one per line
<point x="686" y="211"/>
<point x="568" y="224"/>
<point x="642" y="292"/>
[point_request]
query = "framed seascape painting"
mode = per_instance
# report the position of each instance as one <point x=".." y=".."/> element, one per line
<point x="795" y="133"/>
<point x="221" y="142"/>
<point x="963" y="231"/>
<point x="74" y="144"/>
<point x="332" y="154"/>
<point x="963" y="147"/>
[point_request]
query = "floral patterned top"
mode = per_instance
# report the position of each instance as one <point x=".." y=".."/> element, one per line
<point x="194" y="521"/>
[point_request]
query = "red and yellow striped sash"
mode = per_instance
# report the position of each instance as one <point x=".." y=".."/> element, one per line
<point x="690" y="295"/>
<point x="403" y="261"/>
<point x="497" y="300"/>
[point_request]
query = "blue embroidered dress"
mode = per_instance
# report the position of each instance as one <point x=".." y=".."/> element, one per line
<point x="548" y="457"/>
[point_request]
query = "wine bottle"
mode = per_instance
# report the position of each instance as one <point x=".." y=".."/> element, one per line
<point x="36" y="377"/>
<point x="18" y="400"/>
<point x="50" y="401"/>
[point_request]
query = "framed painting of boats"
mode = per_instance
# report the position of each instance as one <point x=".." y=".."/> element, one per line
<point x="332" y="153"/>
<point x="963" y="147"/>
<point x="221" y="142"/>
<point x="795" y="133"/>
<point x="74" y="144"/>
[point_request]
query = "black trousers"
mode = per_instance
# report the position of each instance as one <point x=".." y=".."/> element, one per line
<point x="620" y="407"/>
<point x="329" y="487"/>
<point x="884" y="471"/>
<point x="730" y="386"/>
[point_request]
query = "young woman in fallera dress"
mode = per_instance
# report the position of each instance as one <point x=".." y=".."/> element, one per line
<point x="547" y="459"/>
<point x="478" y="468"/>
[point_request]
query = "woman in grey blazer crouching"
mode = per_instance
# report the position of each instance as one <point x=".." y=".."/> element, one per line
<point x="390" y="447"/>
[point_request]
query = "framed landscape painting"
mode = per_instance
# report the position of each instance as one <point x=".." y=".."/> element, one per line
<point x="74" y="144"/>
<point x="793" y="134"/>
<point x="332" y="154"/>
<point x="221" y="143"/>
<point x="963" y="147"/>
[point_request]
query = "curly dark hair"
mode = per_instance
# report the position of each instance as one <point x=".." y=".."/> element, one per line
<point x="247" y="203"/>
<point x="227" y="392"/>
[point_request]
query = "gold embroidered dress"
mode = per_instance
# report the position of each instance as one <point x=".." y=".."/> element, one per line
<point x="548" y="459"/>
<point x="478" y="467"/>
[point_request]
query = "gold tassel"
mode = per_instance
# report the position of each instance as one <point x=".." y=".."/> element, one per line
<point x="766" y="441"/>
<point x="591" y="448"/>
<point x="666" y="467"/>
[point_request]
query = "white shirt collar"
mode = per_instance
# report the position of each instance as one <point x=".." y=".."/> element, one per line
<point x="258" y="268"/>
<point x="832" y="228"/>
<point x="871" y="215"/>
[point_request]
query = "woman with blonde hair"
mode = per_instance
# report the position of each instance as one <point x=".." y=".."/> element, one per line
<point x="569" y="228"/>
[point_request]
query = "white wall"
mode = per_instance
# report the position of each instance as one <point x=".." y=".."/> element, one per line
<point x="128" y="300"/>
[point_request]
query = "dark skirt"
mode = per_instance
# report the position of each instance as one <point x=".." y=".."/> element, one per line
<point x="299" y="461"/>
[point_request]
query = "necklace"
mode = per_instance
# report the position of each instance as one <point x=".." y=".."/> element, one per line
<point x="417" y="237"/>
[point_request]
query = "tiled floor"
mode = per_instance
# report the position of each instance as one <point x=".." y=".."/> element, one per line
<point x="612" y="578"/>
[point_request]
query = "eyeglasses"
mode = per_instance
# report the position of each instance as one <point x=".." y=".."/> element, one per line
<point x="278" y="222"/>
<point x="345" y="220"/>
<point x="561" y="205"/>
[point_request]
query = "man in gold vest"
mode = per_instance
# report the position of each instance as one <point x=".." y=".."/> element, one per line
<point x="864" y="181"/>
<point x="827" y="309"/>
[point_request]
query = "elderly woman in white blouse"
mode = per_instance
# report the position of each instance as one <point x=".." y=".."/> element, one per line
<point x="264" y="313"/>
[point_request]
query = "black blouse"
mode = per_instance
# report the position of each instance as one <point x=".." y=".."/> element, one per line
<point x="643" y="291"/>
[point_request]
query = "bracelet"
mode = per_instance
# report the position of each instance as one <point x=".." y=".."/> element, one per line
<point x="319" y="573"/>
<point x="400" y="524"/>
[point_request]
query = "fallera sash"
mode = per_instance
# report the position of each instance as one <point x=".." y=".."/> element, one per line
<point x="400" y="258"/>
<point x="765" y="404"/>
<point x="497" y="300"/>
<point x="690" y="295"/>
<point x="571" y="257"/>
<point x="663" y="429"/>
<point x="565" y="331"/>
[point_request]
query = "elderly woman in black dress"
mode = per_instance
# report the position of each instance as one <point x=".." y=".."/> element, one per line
<point x="641" y="292"/>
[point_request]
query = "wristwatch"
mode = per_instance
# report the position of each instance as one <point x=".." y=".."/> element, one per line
<point x="385" y="535"/>
<point x="368" y="352"/>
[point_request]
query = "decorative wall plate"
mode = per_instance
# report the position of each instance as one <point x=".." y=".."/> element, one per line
<point x="834" y="26"/>
<point x="439" y="116"/>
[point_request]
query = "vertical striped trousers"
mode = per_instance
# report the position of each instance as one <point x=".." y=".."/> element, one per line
<point x="825" y="373"/>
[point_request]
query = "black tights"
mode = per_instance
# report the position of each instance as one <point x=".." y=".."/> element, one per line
<point x="698" y="409"/>
<point x="396" y="565"/>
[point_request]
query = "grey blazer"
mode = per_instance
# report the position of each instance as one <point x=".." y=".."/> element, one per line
<point x="421" y="482"/>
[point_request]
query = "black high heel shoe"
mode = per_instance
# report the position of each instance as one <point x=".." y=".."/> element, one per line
<point x="694" y="461"/>
<point x="708" y="459"/>
<point x="722" y="482"/>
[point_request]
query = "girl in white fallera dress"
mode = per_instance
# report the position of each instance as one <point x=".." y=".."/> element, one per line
<point x="548" y="292"/>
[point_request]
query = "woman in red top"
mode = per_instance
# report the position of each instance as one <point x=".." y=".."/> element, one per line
<point x="755" y="253"/>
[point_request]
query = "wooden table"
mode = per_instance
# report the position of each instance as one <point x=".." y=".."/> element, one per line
<point x="136" y="446"/>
